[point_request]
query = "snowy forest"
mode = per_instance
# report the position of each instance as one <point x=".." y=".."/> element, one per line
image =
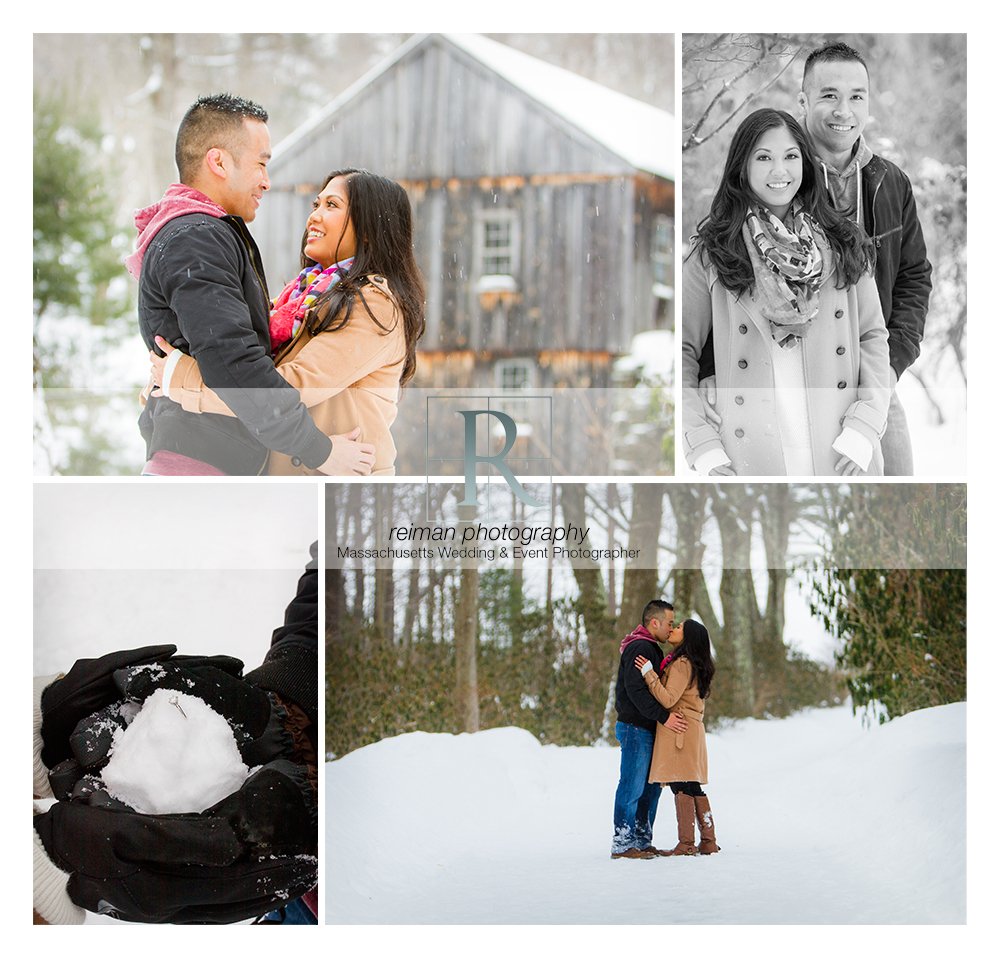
<point x="727" y="76"/>
<point x="106" y="108"/>
<point x="813" y="595"/>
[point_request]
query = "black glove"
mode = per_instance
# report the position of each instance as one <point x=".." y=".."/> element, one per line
<point x="85" y="689"/>
<point x="248" y="854"/>
<point x="82" y="711"/>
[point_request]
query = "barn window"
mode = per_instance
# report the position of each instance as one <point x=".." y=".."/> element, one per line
<point x="497" y="249"/>
<point x="514" y="373"/>
<point x="663" y="257"/>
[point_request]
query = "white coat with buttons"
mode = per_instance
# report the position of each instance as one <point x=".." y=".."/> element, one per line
<point x="845" y="357"/>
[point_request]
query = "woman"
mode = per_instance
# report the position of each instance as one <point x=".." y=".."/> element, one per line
<point x="680" y="759"/>
<point x="779" y="284"/>
<point x="344" y="331"/>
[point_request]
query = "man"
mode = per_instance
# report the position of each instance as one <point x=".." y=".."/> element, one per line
<point x="202" y="289"/>
<point x="877" y="195"/>
<point x="638" y="714"/>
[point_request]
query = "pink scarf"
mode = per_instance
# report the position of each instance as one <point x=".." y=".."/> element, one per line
<point x="291" y="304"/>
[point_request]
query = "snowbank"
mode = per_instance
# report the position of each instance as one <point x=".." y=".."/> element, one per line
<point x="820" y="821"/>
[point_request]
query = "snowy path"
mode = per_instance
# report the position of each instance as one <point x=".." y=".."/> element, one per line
<point x="820" y="821"/>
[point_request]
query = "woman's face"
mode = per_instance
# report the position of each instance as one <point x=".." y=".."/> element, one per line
<point x="774" y="169"/>
<point x="676" y="635"/>
<point x="329" y="231"/>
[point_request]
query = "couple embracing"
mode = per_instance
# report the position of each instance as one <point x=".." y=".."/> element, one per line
<point x="806" y="292"/>
<point x="307" y="383"/>
<point x="661" y="709"/>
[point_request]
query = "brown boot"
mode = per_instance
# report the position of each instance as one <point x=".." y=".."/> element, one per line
<point x="684" y="806"/>
<point x="645" y="853"/>
<point x="706" y="826"/>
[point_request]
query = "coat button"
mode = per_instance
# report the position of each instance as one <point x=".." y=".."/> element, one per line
<point x="839" y="314"/>
<point x="739" y="400"/>
<point x="743" y="328"/>
<point x="842" y="384"/>
<point x="742" y="364"/>
<point x="296" y="461"/>
<point x="739" y="433"/>
<point x="841" y="350"/>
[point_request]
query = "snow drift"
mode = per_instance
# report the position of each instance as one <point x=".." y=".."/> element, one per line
<point x="820" y="821"/>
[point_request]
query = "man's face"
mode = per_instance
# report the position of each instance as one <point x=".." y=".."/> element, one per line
<point x="834" y="101"/>
<point x="246" y="168"/>
<point x="660" y="626"/>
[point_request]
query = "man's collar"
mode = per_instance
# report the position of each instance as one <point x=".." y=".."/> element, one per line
<point x="819" y="159"/>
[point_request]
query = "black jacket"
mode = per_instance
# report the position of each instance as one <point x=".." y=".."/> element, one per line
<point x="202" y="289"/>
<point x="902" y="271"/>
<point x="633" y="700"/>
<point x="289" y="668"/>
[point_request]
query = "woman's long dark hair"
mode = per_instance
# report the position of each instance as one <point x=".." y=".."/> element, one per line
<point x="383" y="226"/>
<point x="696" y="648"/>
<point x="720" y="239"/>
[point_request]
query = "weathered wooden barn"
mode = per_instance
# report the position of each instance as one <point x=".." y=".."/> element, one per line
<point x="543" y="208"/>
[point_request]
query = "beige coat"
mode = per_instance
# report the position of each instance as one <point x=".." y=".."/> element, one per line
<point x="846" y="362"/>
<point x="347" y="378"/>
<point x="679" y="756"/>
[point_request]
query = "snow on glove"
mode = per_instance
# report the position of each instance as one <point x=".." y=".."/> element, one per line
<point x="258" y="718"/>
<point x="81" y="712"/>
<point x="246" y="855"/>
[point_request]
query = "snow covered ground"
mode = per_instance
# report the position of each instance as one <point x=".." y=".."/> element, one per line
<point x="820" y="821"/>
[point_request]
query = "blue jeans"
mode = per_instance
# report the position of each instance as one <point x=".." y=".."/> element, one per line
<point x="295" y="913"/>
<point x="635" y="798"/>
<point x="896" y="448"/>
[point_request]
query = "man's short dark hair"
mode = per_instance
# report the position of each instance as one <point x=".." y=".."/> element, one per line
<point x="214" y="121"/>
<point x="831" y="53"/>
<point x="654" y="609"/>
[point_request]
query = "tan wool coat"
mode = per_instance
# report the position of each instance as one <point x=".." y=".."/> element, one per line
<point x="679" y="756"/>
<point x="347" y="377"/>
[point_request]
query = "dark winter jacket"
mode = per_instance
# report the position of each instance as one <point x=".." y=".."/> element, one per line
<point x="202" y="289"/>
<point x="289" y="668"/>
<point x="634" y="702"/>
<point x="902" y="272"/>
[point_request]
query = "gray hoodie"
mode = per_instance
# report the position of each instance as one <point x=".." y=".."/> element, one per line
<point x="844" y="186"/>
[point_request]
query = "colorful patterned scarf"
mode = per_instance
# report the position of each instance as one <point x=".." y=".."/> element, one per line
<point x="789" y="266"/>
<point x="290" y="305"/>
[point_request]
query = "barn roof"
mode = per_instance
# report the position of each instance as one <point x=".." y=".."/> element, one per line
<point x="641" y="134"/>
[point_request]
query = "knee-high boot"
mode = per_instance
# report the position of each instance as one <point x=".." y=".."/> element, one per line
<point x="684" y="806"/>
<point x="706" y="825"/>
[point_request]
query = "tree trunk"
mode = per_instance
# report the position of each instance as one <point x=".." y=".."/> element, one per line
<point x="385" y="587"/>
<point x="691" y="598"/>
<point x="641" y="580"/>
<point x="590" y="585"/>
<point x="466" y="640"/>
<point x="777" y="509"/>
<point x="733" y="507"/>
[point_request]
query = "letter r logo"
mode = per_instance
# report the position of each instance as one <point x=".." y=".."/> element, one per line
<point x="497" y="461"/>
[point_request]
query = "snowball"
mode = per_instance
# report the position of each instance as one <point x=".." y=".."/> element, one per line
<point x="177" y="755"/>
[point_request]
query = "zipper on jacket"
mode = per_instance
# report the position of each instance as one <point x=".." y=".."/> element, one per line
<point x="256" y="272"/>
<point x="876" y="239"/>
